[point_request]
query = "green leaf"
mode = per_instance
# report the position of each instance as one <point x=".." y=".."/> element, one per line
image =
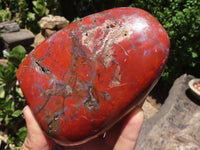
<point x="8" y="107"/>
<point x="34" y="3"/>
<point x="7" y="120"/>
<point x="16" y="55"/>
<point x="18" y="50"/>
<point x="35" y="10"/>
<point x="2" y="91"/>
<point x="22" y="133"/>
<point x="193" y="64"/>
<point x="40" y="7"/>
<point x="17" y="113"/>
<point x="8" y="75"/>
<point x="31" y="16"/>
<point x="194" y="55"/>
<point x="19" y="91"/>
<point x="47" y="11"/>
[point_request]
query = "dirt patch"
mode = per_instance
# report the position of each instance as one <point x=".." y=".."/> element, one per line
<point x="150" y="107"/>
<point x="155" y="100"/>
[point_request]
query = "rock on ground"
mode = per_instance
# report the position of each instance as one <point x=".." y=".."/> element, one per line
<point x="176" y="126"/>
<point x="9" y="26"/>
<point x="53" y="22"/>
<point x="22" y="37"/>
<point x="50" y="24"/>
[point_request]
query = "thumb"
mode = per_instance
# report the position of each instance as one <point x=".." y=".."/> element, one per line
<point x="129" y="135"/>
<point x="36" y="139"/>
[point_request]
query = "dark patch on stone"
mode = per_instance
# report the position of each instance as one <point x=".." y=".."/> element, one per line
<point x="43" y="69"/>
<point x="53" y="125"/>
<point x="105" y="95"/>
<point x="91" y="102"/>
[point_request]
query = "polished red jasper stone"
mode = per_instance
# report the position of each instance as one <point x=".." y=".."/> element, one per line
<point x="84" y="78"/>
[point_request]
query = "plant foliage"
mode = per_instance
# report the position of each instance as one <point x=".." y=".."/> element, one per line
<point x="181" y="19"/>
<point x="27" y="13"/>
<point x="12" y="100"/>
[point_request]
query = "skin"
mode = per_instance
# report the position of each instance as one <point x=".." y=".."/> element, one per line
<point x="123" y="135"/>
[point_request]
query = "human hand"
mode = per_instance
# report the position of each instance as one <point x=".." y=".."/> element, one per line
<point x="123" y="135"/>
<point x="36" y="139"/>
